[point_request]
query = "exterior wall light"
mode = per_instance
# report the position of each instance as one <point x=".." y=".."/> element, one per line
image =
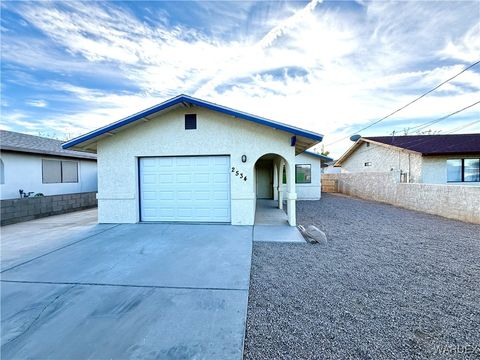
<point x="244" y="158"/>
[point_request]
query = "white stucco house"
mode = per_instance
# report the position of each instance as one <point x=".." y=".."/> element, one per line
<point x="430" y="159"/>
<point x="36" y="164"/>
<point x="189" y="160"/>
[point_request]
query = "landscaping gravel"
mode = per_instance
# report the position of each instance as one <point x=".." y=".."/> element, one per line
<point x="390" y="284"/>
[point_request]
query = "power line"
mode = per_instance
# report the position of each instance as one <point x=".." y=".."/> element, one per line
<point x="463" y="127"/>
<point x="409" y="103"/>
<point x="444" y="117"/>
<point x="421" y="141"/>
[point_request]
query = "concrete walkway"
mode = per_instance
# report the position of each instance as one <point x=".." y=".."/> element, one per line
<point x="271" y="224"/>
<point x="268" y="213"/>
<point x="124" y="291"/>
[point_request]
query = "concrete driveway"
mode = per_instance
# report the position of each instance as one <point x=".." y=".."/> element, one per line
<point x="141" y="291"/>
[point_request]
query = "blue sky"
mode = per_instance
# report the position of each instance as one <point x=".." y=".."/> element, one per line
<point x="331" y="67"/>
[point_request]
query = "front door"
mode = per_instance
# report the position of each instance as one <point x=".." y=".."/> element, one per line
<point x="264" y="182"/>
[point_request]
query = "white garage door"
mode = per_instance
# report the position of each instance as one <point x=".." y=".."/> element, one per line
<point x="185" y="188"/>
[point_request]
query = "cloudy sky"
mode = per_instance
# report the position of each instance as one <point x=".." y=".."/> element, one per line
<point x="331" y="67"/>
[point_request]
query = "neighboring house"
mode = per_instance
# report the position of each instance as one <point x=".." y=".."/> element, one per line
<point x="330" y="168"/>
<point x="36" y="164"/>
<point x="432" y="159"/>
<point x="189" y="160"/>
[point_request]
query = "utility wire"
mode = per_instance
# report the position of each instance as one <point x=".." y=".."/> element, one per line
<point x="443" y="118"/>
<point x="462" y="127"/>
<point x="421" y="141"/>
<point x="409" y="103"/>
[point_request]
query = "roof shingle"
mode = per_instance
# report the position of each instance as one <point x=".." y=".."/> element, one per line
<point x="433" y="144"/>
<point x="15" y="141"/>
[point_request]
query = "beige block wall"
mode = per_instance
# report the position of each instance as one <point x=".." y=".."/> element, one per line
<point x="452" y="201"/>
<point x="383" y="159"/>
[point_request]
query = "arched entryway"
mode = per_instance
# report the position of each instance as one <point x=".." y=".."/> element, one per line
<point x="273" y="185"/>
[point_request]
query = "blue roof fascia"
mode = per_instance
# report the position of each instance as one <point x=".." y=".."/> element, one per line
<point x="194" y="101"/>
<point x="323" y="157"/>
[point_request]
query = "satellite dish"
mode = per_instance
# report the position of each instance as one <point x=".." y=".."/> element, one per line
<point x="355" y="137"/>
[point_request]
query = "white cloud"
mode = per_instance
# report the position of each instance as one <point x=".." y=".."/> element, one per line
<point x="318" y="67"/>
<point x="37" y="103"/>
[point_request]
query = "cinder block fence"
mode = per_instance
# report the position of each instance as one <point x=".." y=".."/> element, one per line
<point x="18" y="210"/>
<point x="460" y="202"/>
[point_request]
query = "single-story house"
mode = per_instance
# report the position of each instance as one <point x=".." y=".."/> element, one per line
<point x="329" y="167"/>
<point x="431" y="159"/>
<point x="189" y="160"/>
<point x="37" y="164"/>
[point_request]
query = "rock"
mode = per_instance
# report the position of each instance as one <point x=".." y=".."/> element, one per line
<point x="313" y="234"/>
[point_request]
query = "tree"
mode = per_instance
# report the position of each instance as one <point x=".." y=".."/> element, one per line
<point x="322" y="151"/>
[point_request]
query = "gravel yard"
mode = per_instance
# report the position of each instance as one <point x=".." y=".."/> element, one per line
<point x="391" y="284"/>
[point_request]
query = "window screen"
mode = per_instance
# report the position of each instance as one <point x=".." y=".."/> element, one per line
<point x="454" y="170"/>
<point x="303" y="174"/>
<point x="57" y="171"/>
<point x="190" y="121"/>
<point x="51" y="171"/>
<point x="471" y="170"/>
<point x="69" y="171"/>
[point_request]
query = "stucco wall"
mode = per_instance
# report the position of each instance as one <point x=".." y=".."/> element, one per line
<point x="24" y="171"/>
<point x="216" y="134"/>
<point x="451" y="201"/>
<point x="435" y="169"/>
<point x="383" y="159"/>
<point x="309" y="191"/>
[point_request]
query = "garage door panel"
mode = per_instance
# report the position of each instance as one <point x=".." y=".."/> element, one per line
<point x="203" y="213"/>
<point x="222" y="160"/>
<point x="150" y="195"/>
<point x="220" y="212"/>
<point x="150" y="179"/>
<point x="183" y="161"/>
<point x="149" y="162"/>
<point x="165" y="178"/>
<point x="203" y="178"/>
<point x="190" y="189"/>
<point x="202" y="195"/>
<point x="184" y="178"/>
<point x="164" y="161"/>
<point x="220" y="195"/>
<point x="202" y="161"/>
<point x="149" y="212"/>
<point x="184" y="213"/>
<point x="184" y="195"/>
<point x="166" y="195"/>
<point x="221" y="178"/>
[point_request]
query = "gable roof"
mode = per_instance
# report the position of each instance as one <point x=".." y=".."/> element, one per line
<point x="14" y="141"/>
<point x="433" y="144"/>
<point x="305" y="138"/>
<point x="425" y="145"/>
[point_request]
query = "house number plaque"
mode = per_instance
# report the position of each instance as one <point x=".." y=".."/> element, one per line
<point x="238" y="173"/>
